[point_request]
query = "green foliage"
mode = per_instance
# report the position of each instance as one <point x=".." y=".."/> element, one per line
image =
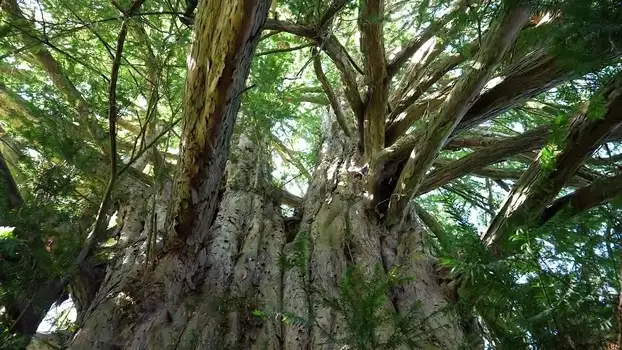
<point x="598" y="107"/>
<point x="558" y="291"/>
<point x="364" y="304"/>
<point x="547" y="157"/>
<point x="561" y="284"/>
<point x="10" y="341"/>
<point x="589" y="27"/>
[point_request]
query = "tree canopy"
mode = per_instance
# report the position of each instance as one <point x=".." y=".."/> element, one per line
<point x="498" y="122"/>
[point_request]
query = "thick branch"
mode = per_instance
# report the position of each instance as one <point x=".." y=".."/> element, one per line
<point x="296" y="29"/>
<point x="534" y="74"/>
<point x="434" y="225"/>
<point x="441" y="125"/>
<point x="471" y="142"/>
<point x="538" y="186"/>
<point x="289" y="49"/>
<point x="582" y="172"/>
<point x="433" y="74"/>
<point x="606" y="161"/>
<point x="226" y="35"/>
<point x="341" y="119"/>
<point x="585" y="198"/>
<point x="290" y="199"/>
<point x="495" y="152"/>
<point x="370" y="18"/>
<point x="537" y="72"/>
<point x="492" y="154"/>
<point x="415" y="44"/>
<point x="344" y="64"/>
<point x="399" y="126"/>
<point x="543" y="72"/>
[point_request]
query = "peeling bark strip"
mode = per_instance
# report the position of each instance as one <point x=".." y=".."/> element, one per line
<point x="226" y="33"/>
<point x="538" y="186"/>
<point x="441" y="125"/>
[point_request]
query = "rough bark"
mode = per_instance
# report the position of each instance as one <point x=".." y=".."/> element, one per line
<point x="584" y="198"/>
<point x="222" y="262"/>
<point x="241" y="269"/>
<point x="370" y="20"/>
<point x="538" y="185"/>
<point x="51" y="341"/>
<point x="237" y="271"/>
<point x="440" y="126"/>
<point x="218" y="66"/>
<point x="84" y="286"/>
<point x="343" y="233"/>
<point x="111" y="308"/>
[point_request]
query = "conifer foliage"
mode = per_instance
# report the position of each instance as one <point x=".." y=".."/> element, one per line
<point x="298" y="173"/>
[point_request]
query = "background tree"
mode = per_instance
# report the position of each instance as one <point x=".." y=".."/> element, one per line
<point x="372" y="174"/>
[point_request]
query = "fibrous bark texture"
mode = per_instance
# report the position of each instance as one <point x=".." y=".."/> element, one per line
<point x="212" y="303"/>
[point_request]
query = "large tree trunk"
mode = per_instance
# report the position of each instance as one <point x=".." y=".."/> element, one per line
<point x="228" y="275"/>
<point x="342" y="232"/>
<point x="238" y="269"/>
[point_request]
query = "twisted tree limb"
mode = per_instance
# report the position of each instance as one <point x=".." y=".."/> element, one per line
<point x="538" y="186"/>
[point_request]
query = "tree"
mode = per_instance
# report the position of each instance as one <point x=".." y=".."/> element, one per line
<point x="451" y="180"/>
